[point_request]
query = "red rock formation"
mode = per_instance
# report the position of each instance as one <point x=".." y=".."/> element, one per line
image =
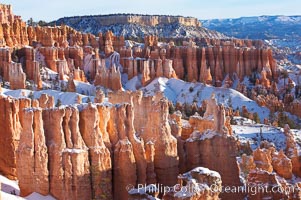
<point x="5" y="60"/>
<point x="71" y="85"/>
<point x="292" y="151"/>
<point x="196" y="184"/>
<point x="46" y="101"/>
<point x="114" y="128"/>
<point x="150" y="158"/>
<point x="150" y="40"/>
<point x="187" y="130"/>
<point x="257" y="178"/>
<point x="32" y="155"/>
<point x="13" y="29"/>
<point x="90" y="64"/>
<point x="10" y="129"/>
<point x="294" y="107"/>
<point x="147" y="193"/>
<point x="51" y="57"/>
<point x="178" y="131"/>
<point x="247" y="164"/>
<point x="191" y="64"/>
<point x="282" y="165"/>
<point x="76" y="53"/>
<point x="166" y="159"/>
<point x="205" y="75"/>
<point x="168" y="70"/>
<point x="77" y="171"/>
<point x="124" y="170"/>
<point x="217" y="112"/>
<point x="214" y="153"/>
<point x="109" y="78"/>
<point x="270" y="101"/>
<point x="264" y="81"/>
<point x="123" y="114"/>
<point x="177" y="62"/>
<point x="104" y="114"/>
<point x="69" y="166"/>
<point x="176" y="124"/>
<point x="79" y="75"/>
<point x="99" y="155"/>
<point x="263" y="159"/>
<point x="201" y="124"/>
<point x="146" y="72"/>
<point x="227" y="82"/>
<point x="17" y="77"/>
<point x="99" y="96"/>
<point x="150" y="112"/>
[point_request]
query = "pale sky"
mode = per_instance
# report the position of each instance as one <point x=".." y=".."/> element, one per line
<point x="50" y="10"/>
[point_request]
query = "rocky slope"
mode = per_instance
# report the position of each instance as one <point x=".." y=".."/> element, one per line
<point x="137" y="26"/>
<point x="263" y="27"/>
<point x="282" y="33"/>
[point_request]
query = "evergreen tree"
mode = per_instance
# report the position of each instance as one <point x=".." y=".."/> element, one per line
<point x="30" y="22"/>
<point x="284" y="75"/>
<point x="58" y="103"/>
<point x="256" y="117"/>
<point x="30" y="95"/>
<point x="230" y="102"/>
<point x="171" y="108"/>
<point x="271" y="116"/>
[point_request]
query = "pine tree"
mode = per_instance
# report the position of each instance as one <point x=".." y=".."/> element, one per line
<point x="230" y="102"/>
<point x="30" y="22"/>
<point x="30" y="95"/>
<point x="256" y="117"/>
<point x="58" y="103"/>
<point x="271" y="116"/>
<point x="171" y="108"/>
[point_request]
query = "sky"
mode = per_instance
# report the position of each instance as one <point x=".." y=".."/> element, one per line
<point x="49" y="10"/>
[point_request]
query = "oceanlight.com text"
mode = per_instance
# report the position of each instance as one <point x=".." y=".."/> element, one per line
<point x="250" y="189"/>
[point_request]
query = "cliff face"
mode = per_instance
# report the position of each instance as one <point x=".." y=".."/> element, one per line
<point x="144" y="20"/>
<point x="12" y="28"/>
<point x="103" y="148"/>
<point x="135" y="25"/>
<point x="70" y="148"/>
<point x="99" y="154"/>
<point x="32" y="155"/>
<point x="10" y="136"/>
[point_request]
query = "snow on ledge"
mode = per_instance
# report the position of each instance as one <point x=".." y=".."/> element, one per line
<point x="76" y="151"/>
<point x="197" y="135"/>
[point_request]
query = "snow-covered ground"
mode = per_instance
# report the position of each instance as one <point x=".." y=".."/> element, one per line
<point x="66" y="98"/>
<point x="11" y="191"/>
<point x="184" y="92"/>
<point x="246" y="130"/>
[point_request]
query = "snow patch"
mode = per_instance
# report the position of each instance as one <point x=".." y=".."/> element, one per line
<point x="10" y="191"/>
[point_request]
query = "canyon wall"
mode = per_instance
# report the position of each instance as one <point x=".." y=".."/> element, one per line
<point x="145" y="20"/>
<point x="95" y="151"/>
<point x="85" y="151"/>
<point x="99" y="147"/>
